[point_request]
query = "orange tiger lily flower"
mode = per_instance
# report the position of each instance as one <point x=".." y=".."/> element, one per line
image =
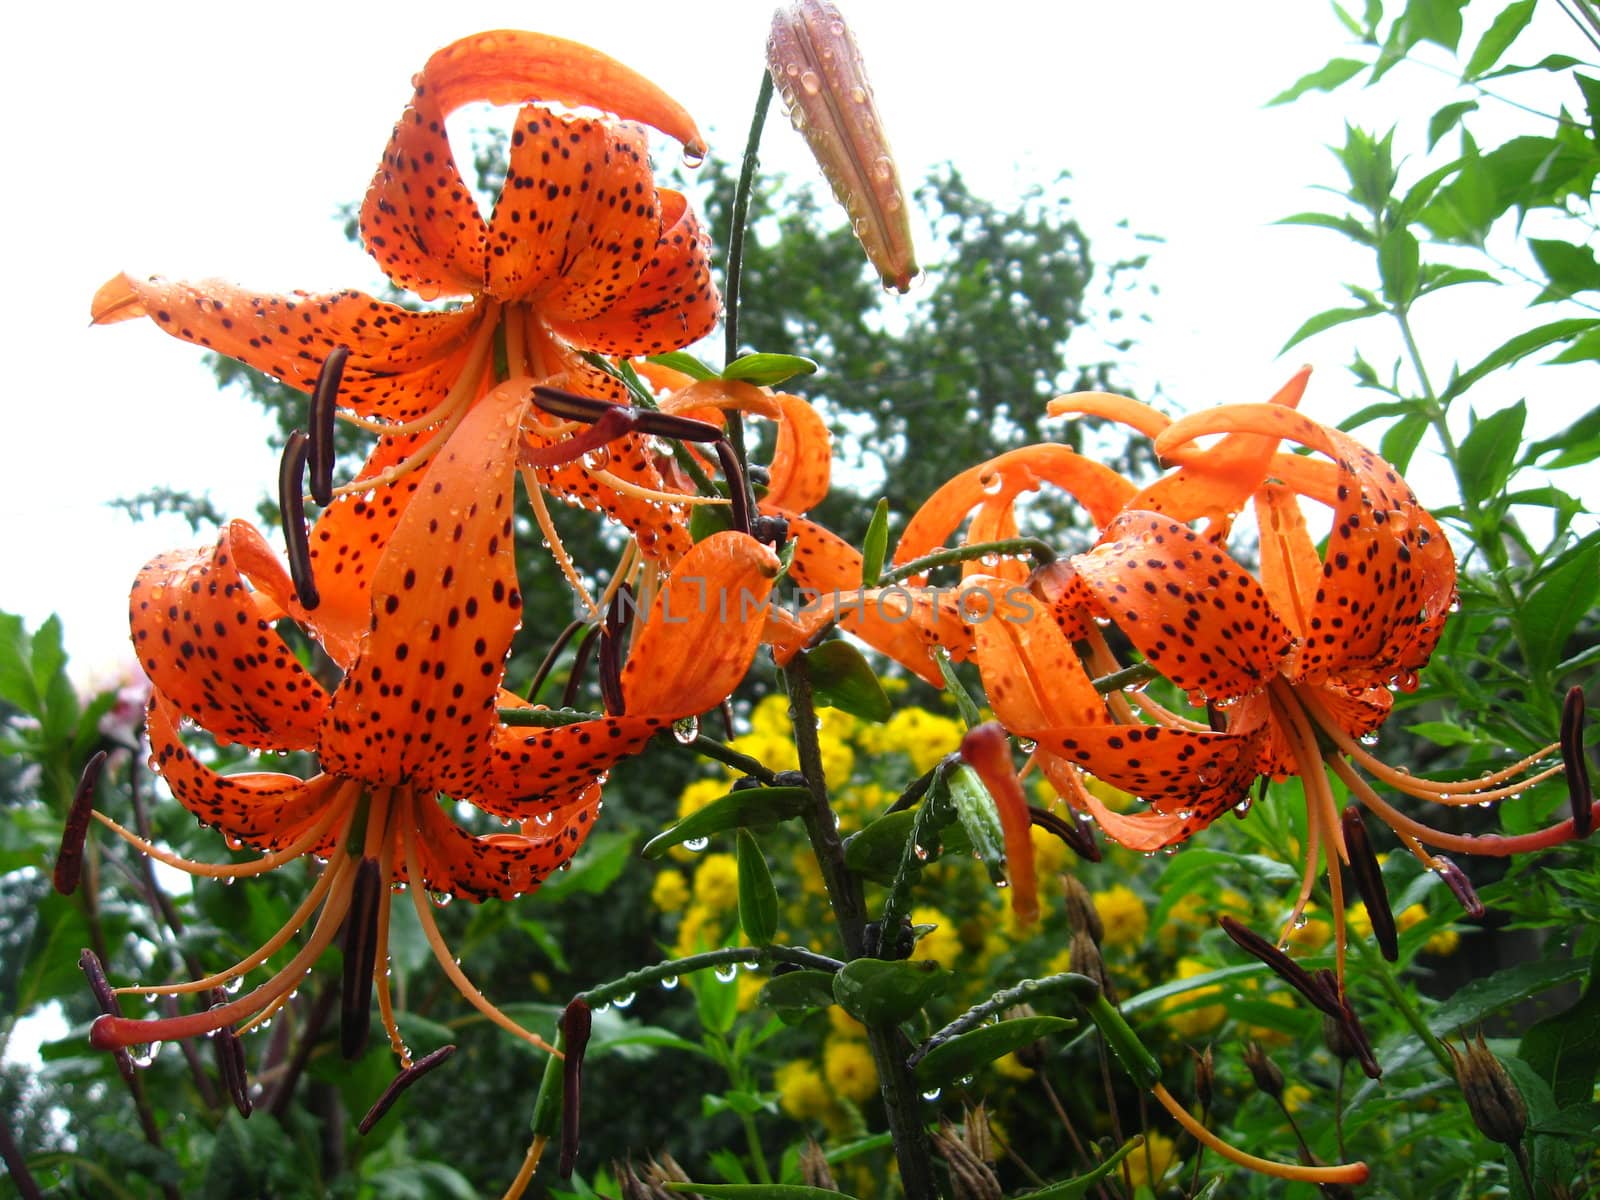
<point x="1294" y="663"/>
<point x="427" y="566"/>
<point x="583" y="252"/>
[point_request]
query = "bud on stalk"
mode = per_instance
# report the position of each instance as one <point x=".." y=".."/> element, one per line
<point x="817" y="69"/>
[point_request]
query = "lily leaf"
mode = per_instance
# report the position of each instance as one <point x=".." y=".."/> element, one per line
<point x="963" y="1055"/>
<point x="842" y="678"/>
<point x="758" y="899"/>
<point x="1069" y="1188"/>
<point x="877" y="992"/>
<point x="768" y="370"/>
<point x="980" y="820"/>
<point x="679" y="360"/>
<point x="797" y="992"/>
<point x="875" y="545"/>
<point x="746" y="806"/>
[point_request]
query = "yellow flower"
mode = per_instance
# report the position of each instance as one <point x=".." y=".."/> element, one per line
<point x="698" y="930"/>
<point x="1356" y="922"/>
<point x="716" y="882"/>
<point x="670" y="891"/>
<point x="1059" y="963"/>
<point x="699" y="794"/>
<point x="1311" y="933"/>
<point x="1442" y="941"/>
<point x="770" y="718"/>
<point x="1115" y="799"/>
<point x="1269" y="1035"/>
<point x="1150" y="1163"/>
<point x="802" y="1093"/>
<point x="1194" y="1022"/>
<point x="1008" y="1066"/>
<point x="775" y="750"/>
<point x="1050" y="856"/>
<point x="749" y="986"/>
<point x="843" y="1024"/>
<point x="847" y="1066"/>
<point x="922" y="736"/>
<point x="1296" y="1096"/>
<point x="1122" y="914"/>
<point x="943" y="945"/>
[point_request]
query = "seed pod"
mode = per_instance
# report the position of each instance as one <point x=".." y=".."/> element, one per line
<point x="1496" y="1105"/>
<point x="817" y="69"/>
<point x="1263" y="1070"/>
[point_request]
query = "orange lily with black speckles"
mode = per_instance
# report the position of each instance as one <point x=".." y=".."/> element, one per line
<point x="1294" y="663"/>
<point x="420" y="605"/>
<point x="583" y="252"/>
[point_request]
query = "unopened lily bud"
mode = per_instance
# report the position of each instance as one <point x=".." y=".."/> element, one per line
<point x="1085" y="958"/>
<point x="1263" y="1070"/>
<point x="1081" y="912"/>
<point x="814" y="1169"/>
<point x="1337" y="1038"/>
<point x="1205" y="1076"/>
<point x="817" y="69"/>
<point x="1496" y="1105"/>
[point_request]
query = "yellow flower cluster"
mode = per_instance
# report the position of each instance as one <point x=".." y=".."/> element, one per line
<point x="1441" y="941"/>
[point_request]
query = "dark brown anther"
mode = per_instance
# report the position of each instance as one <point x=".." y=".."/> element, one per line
<point x="572" y="406"/>
<point x="1339" y="1009"/>
<point x="69" y="859"/>
<point x="230" y="1061"/>
<point x="1369" y="882"/>
<point x="292" y="509"/>
<point x="738" y="491"/>
<point x="1216" y="718"/>
<point x="1073" y="830"/>
<point x="1283" y="966"/>
<point x="100" y="987"/>
<point x="575" y="1022"/>
<point x="360" y="947"/>
<point x="550" y="657"/>
<point x="770" y="531"/>
<point x="324" y="400"/>
<point x="400" y="1083"/>
<point x="1460" y="886"/>
<point x="580" y="664"/>
<point x="619" y="615"/>
<point x="1576" y="761"/>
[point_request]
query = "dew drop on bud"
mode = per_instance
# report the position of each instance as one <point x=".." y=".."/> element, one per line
<point x="686" y="730"/>
<point x="695" y="845"/>
<point x="726" y="972"/>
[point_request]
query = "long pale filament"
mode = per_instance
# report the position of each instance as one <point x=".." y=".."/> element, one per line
<point x="1355" y="1172"/>
<point x="260" y="866"/>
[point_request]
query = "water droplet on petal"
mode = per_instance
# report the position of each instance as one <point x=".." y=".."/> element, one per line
<point x="686" y="730"/>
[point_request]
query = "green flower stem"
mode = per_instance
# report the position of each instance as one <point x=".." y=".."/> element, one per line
<point x="1079" y="989"/>
<point x="728" y="756"/>
<point x="1125" y="678"/>
<point x="635" y="982"/>
<point x="1380" y="971"/>
<point x="546" y="718"/>
<point x="734" y="276"/>
<point x="895" y="904"/>
<point x="1040" y="551"/>
<point x="901" y="1100"/>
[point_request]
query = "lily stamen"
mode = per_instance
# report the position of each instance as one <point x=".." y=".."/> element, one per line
<point x="75" y="833"/>
<point x="1576" y="762"/>
<point x="261" y="866"/>
<point x="360" y="946"/>
<point x="397" y="1086"/>
<point x="1355" y="1172"/>
<point x="1369" y="883"/>
<point x="324" y="402"/>
<point x="292" y="509"/>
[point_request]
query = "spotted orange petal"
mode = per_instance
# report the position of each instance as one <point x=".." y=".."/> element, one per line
<point x="1195" y="775"/>
<point x="1098" y="488"/>
<point x="1031" y="674"/>
<point x="1388" y="577"/>
<point x="802" y="461"/>
<point x="498" y="866"/>
<point x="674" y="302"/>
<point x="419" y="702"/>
<point x="264" y="809"/>
<point x="401" y="362"/>
<point x="1199" y="617"/>
<point x="204" y="644"/>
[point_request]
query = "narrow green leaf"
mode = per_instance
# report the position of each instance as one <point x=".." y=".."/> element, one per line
<point x="716" y="1000"/>
<point x="1582" y="349"/>
<point x="707" y="519"/>
<point x="1502" y="32"/>
<point x="1443" y="733"/>
<point x="965" y="1053"/>
<point x="758" y="1191"/>
<point x="842" y="678"/>
<point x="1570" y="269"/>
<point x="1401" y="439"/>
<point x="745" y="806"/>
<point x="594" y="869"/>
<point x="979" y="819"/>
<point x="1381" y="411"/>
<point x="680" y="360"/>
<point x="1579" y="443"/>
<point x="1398" y="262"/>
<point x="1327" y="320"/>
<point x="1438" y="276"/>
<point x="758" y="898"/>
<point x="797" y="991"/>
<point x="768" y="370"/>
<point x="1565" y="1048"/>
<point x="1349" y="226"/>
<point x="877" y="992"/>
<point x="1447" y="118"/>
<point x="1480" y="998"/>
<point x="1514" y="349"/>
<point x="965" y="704"/>
<point x="875" y="545"/>
<point x="1554" y="63"/>
<point x="1489" y="452"/>
<point x="1324" y="79"/>
<point x="1070" y="1189"/>
<point x="1553" y="610"/>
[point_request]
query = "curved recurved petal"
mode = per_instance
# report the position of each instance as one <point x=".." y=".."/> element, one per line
<point x="1098" y="488"/>
<point x="513" y="66"/>
<point x="576" y="219"/>
<point x="1195" y="613"/>
<point x="1189" y="773"/>
<point x="498" y="866"/>
<point x="201" y="639"/>
<point x="674" y="301"/>
<point x="1031" y="674"/>
<point x="264" y="809"/>
<point x="531" y="771"/>
<point x="419" y="701"/>
<point x="661" y="530"/>
<point x="396" y="355"/>
<point x="1145" y="832"/>
<point x="802" y="461"/>
<point x="695" y="644"/>
<point x="1388" y="577"/>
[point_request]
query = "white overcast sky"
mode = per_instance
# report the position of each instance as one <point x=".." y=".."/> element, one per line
<point x="196" y="140"/>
